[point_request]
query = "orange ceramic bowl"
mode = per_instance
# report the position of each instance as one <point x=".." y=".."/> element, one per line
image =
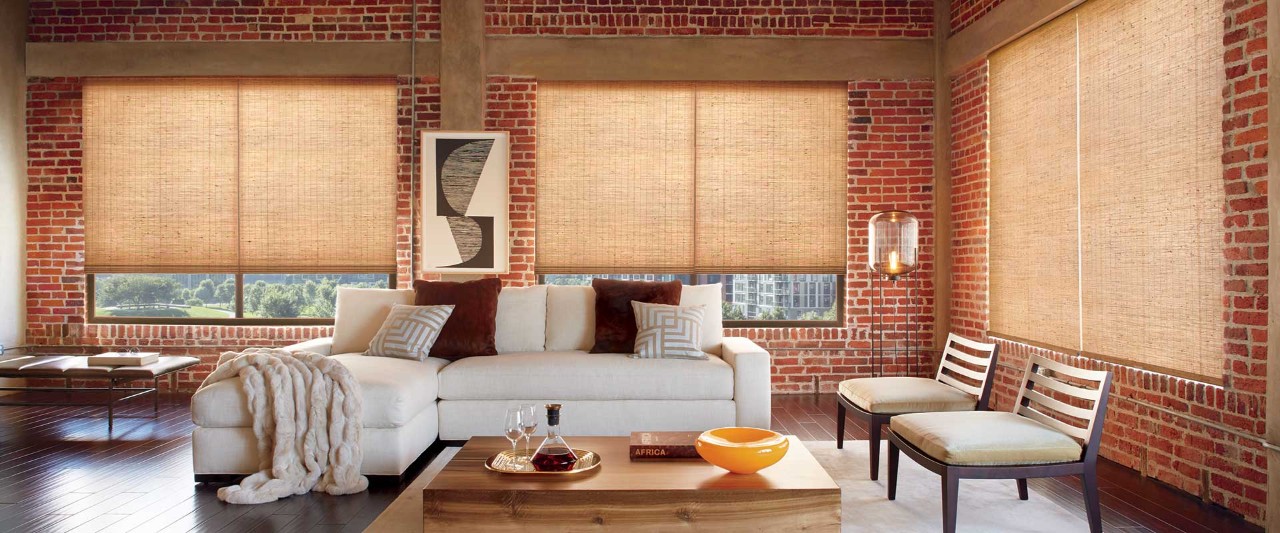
<point x="742" y="450"/>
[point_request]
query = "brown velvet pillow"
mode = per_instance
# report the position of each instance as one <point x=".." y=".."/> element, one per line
<point x="616" y="320"/>
<point x="471" y="329"/>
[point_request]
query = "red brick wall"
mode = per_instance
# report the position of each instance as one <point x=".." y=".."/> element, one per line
<point x="252" y="20"/>
<point x="56" y="297"/>
<point x="966" y="12"/>
<point x="969" y="202"/>
<point x="890" y="167"/>
<point x="890" y="141"/>
<point x="890" y="137"/>
<point x="1158" y="424"/>
<point x="870" y="18"/>
<point x="511" y="105"/>
<point x="419" y="107"/>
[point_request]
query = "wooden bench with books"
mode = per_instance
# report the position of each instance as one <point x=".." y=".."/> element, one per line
<point x="113" y="368"/>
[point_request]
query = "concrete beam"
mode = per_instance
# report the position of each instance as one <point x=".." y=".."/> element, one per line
<point x="1006" y="22"/>
<point x="941" y="176"/>
<point x="258" y="58"/>
<point x="462" y="65"/>
<point x="720" y="58"/>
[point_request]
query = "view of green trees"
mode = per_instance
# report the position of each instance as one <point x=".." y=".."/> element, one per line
<point x="213" y="296"/>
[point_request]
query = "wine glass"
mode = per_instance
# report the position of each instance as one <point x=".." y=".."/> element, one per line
<point x="513" y="427"/>
<point x="528" y="423"/>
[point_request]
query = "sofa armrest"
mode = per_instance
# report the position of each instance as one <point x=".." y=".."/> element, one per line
<point x="322" y="346"/>
<point x="752" y="392"/>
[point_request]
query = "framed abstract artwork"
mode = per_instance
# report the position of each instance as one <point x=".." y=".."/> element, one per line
<point x="464" y="202"/>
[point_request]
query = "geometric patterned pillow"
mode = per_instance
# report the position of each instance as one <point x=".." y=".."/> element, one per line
<point x="668" y="331"/>
<point x="409" y="331"/>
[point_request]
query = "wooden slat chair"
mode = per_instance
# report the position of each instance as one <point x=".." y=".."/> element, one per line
<point x="1032" y="441"/>
<point x="876" y="400"/>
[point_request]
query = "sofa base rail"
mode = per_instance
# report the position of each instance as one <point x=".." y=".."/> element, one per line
<point x="415" y="468"/>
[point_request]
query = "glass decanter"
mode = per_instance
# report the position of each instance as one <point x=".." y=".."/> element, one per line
<point x="554" y="454"/>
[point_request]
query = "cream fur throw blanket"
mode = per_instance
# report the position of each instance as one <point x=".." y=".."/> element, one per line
<point x="306" y="415"/>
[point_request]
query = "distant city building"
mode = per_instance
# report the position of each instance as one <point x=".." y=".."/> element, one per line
<point x="792" y="295"/>
<point x="755" y="296"/>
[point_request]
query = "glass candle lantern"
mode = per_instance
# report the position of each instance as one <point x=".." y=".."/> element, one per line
<point x="894" y="241"/>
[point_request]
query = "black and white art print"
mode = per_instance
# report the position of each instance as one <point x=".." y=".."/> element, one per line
<point x="464" y="202"/>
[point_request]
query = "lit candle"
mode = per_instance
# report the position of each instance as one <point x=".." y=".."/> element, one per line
<point x="893" y="262"/>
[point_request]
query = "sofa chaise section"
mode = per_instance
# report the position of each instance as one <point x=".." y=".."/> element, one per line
<point x="399" y="415"/>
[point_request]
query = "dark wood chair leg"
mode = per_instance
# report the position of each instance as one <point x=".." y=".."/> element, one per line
<point x="874" y="442"/>
<point x="950" y="502"/>
<point x="1022" y="488"/>
<point x="840" y="412"/>
<point x="1092" y="506"/>
<point x="111" y="404"/>
<point x="893" y="470"/>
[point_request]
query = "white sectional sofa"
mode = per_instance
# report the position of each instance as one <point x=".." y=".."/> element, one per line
<point x="543" y="334"/>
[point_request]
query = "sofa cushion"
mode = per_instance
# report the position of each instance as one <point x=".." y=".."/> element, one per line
<point x="522" y="319"/>
<point x="395" y="391"/>
<point x="359" y="314"/>
<point x="472" y="328"/>
<point x="615" y="318"/>
<point x="577" y="375"/>
<point x="711" y="296"/>
<point x="571" y="318"/>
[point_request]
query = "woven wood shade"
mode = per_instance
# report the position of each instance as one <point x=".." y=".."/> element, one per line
<point x="691" y="177"/>
<point x="1114" y="111"/>
<point x="1151" y="187"/>
<point x="1034" y="262"/>
<point x="212" y="175"/>
<point x="615" y="177"/>
<point x="318" y="175"/>
<point x="160" y="176"/>
<point x="771" y="177"/>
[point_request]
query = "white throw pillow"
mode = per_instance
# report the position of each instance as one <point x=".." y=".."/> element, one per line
<point x="668" y="331"/>
<point x="360" y="313"/>
<point x="571" y="318"/>
<point x="522" y="319"/>
<point x="409" y="331"/>
<point x="708" y="295"/>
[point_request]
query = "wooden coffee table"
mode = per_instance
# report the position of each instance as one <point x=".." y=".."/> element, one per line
<point x="794" y="494"/>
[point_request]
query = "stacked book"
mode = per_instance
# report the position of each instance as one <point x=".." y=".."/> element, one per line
<point x="663" y="445"/>
<point x="124" y="358"/>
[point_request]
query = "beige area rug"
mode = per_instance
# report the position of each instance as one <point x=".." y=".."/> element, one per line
<point x="985" y="505"/>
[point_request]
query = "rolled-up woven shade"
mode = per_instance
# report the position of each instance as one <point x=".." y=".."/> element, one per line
<point x="772" y="177"/>
<point x="160" y="175"/>
<point x="318" y="175"/>
<point x="615" y="177"/>
<point x="1034" y="261"/>
<point x="1151" y="187"/>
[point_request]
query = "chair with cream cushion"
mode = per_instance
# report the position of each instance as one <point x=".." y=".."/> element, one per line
<point x="963" y="383"/>
<point x="1054" y="431"/>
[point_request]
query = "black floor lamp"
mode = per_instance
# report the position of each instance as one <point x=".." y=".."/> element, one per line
<point x="893" y="253"/>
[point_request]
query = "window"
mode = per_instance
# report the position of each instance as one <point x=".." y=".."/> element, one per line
<point x="1106" y="190"/>
<point x="686" y="179"/>
<point x="240" y="180"/>
<point x="211" y="298"/>
<point x="692" y="177"/>
<point x="811" y="300"/>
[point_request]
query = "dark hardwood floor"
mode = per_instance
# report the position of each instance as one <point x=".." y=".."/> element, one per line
<point x="62" y="472"/>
